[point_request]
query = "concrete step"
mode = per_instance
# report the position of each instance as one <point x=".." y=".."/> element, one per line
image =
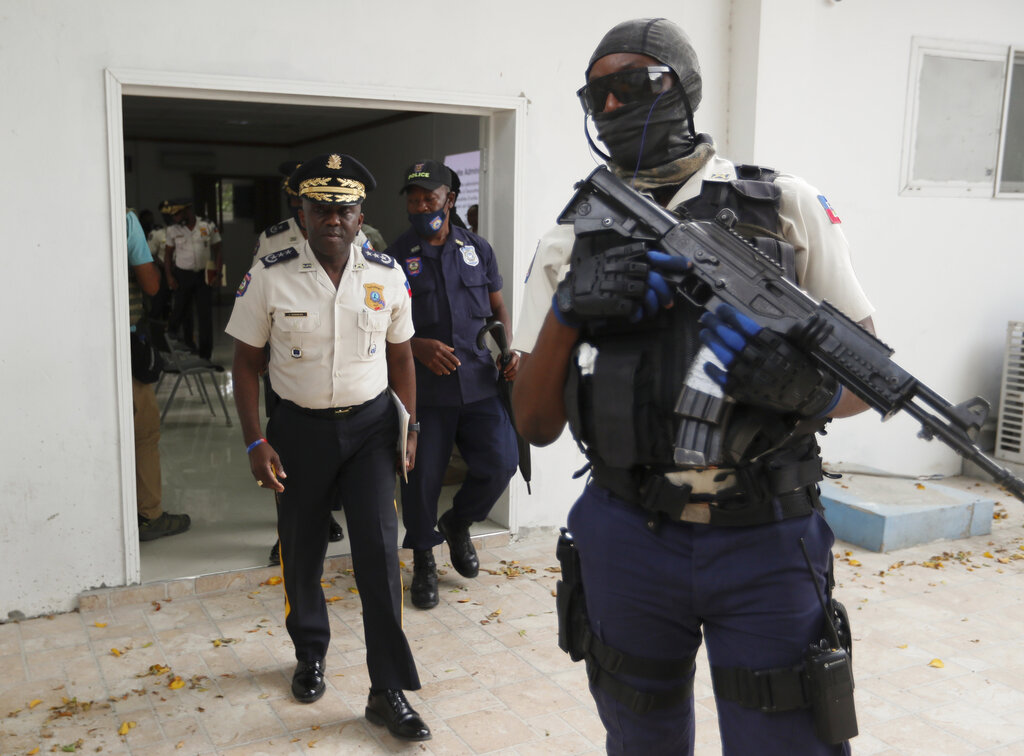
<point x="884" y="513"/>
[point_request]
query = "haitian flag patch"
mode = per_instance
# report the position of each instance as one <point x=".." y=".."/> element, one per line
<point x="828" y="209"/>
<point x="242" y="287"/>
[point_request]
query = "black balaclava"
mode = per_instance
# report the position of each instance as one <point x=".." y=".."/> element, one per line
<point x="642" y="135"/>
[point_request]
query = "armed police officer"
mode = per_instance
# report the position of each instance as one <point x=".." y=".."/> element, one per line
<point x="668" y="551"/>
<point x="338" y="322"/>
<point x="456" y="288"/>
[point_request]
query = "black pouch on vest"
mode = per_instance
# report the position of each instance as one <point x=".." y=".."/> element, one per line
<point x="569" y="598"/>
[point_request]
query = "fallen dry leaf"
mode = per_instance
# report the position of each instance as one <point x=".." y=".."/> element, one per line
<point x="937" y="663"/>
<point x="274" y="580"/>
<point x="99" y="624"/>
<point x="176" y="683"/>
<point x="34" y="703"/>
<point x="125" y="727"/>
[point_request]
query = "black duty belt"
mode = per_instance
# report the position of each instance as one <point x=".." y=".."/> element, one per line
<point x="762" y="494"/>
<point x="331" y="413"/>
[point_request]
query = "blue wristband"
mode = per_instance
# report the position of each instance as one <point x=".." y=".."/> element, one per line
<point x="254" y="444"/>
<point x="832" y="405"/>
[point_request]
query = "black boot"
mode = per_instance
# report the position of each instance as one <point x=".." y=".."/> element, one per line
<point x="424" y="580"/>
<point x="391" y="709"/>
<point x="463" y="554"/>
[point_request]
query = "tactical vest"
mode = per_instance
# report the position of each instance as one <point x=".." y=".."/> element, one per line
<point x="621" y="398"/>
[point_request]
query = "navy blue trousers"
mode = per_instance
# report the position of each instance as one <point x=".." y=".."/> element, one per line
<point x="352" y="457"/>
<point x="748" y="591"/>
<point x="488" y="445"/>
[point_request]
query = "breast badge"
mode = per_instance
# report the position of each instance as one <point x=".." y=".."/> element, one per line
<point x="374" y="297"/>
<point x="469" y="255"/>
<point x="414" y="266"/>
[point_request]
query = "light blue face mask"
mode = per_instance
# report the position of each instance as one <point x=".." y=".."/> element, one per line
<point x="427" y="225"/>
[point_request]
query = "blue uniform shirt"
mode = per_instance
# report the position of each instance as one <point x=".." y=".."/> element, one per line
<point x="451" y="287"/>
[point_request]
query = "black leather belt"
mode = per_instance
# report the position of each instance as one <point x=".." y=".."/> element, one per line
<point x="332" y="413"/>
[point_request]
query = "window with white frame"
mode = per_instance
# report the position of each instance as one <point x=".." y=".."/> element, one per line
<point x="965" y="121"/>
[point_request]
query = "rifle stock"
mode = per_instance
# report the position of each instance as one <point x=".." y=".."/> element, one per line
<point x="728" y="269"/>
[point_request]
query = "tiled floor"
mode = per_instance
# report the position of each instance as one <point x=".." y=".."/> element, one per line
<point x="939" y="661"/>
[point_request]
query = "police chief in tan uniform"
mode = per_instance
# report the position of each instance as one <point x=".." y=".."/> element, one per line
<point x="338" y="322"/>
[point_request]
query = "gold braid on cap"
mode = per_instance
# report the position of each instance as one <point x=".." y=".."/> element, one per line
<point x="287" y="189"/>
<point x="320" y="190"/>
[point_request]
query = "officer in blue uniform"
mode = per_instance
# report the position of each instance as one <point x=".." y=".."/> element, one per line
<point x="456" y="290"/>
<point x="337" y="320"/>
<point x="667" y="554"/>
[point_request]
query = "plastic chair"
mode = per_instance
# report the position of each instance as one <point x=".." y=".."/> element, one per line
<point x="184" y="366"/>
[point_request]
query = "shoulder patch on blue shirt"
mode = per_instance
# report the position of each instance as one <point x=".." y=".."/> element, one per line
<point x="378" y="257"/>
<point x="280" y="256"/>
<point x="277" y="228"/>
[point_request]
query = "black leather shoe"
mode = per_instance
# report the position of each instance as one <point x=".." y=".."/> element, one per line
<point x="389" y="708"/>
<point x="335" y="533"/>
<point x="460" y="545"/>
<point x="275" y="554"/>
<point x="424" y="580"/>
<point x="308" y="681"/>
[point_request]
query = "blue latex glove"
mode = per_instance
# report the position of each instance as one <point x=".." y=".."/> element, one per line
<point x="659" y="293"/>
<point x="727" y="332"/>
<point x="764" y="369"/>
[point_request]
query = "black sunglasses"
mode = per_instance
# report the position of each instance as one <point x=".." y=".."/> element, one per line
<point x="632" y="85"/>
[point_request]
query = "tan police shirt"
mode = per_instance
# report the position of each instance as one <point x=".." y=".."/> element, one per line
<point x="327" y="346"/>
<point x="823" y="265"/>
<point x="192" y="248"/>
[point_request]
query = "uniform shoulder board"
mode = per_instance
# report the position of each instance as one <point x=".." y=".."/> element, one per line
<point x="379" y="257"/>
<point x="277" y="228"/>
<point x="280" y="256"/>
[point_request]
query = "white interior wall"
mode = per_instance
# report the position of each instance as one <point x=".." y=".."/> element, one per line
<point x="62" y="478"/>
<point x="943" y="273"/>
<point x="387" y="151"/>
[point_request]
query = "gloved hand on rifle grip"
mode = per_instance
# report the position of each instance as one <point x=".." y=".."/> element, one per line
<point x="763" y="369"/>
<point x="618" y="282"/>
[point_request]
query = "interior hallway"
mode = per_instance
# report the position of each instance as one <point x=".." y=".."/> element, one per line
<point x="206" y="476"/>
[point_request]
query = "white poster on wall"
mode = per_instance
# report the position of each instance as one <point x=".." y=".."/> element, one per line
<point x="467" y="165"/>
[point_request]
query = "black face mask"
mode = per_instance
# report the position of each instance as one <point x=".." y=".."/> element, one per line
<point x="669" y="131"/>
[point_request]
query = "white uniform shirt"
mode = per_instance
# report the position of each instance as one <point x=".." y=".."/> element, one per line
<point x="157" y="241"/>
<point x="823" y="266"/>
<point x="288" y="234"/>
<point x="327" y="346"/>
<point x="192" y="247"/>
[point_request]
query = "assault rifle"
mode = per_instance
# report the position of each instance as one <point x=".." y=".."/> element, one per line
<point x="726" y="268"/>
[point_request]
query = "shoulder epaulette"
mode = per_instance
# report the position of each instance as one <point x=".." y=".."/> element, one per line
<point x="280" y="256"/>
<point x="277" y="228"/>
<point x="379" y="257"/>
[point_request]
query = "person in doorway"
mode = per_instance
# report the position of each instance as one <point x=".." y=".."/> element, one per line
<point x="192" y="262"/>
<point x="473" y="218"/>
<point x="456" y="289"/>
<point x="154" y="522"/>
<point x="338" y="322"/>
<point x="284" y="235"/>
<point x="670" y="554"/>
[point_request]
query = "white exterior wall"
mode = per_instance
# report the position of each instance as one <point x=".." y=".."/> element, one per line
<point x="945" y="273"/>
<point x="63" y="523"/>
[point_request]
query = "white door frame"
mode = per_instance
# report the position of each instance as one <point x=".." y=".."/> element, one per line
<point x="500" y="179"/>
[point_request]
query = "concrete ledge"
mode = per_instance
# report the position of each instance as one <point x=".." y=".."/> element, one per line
<point x="483" y="534"/>
<point x="884" y="514"/>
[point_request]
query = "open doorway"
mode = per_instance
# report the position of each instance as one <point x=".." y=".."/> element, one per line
<point x="222" y="148"/>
